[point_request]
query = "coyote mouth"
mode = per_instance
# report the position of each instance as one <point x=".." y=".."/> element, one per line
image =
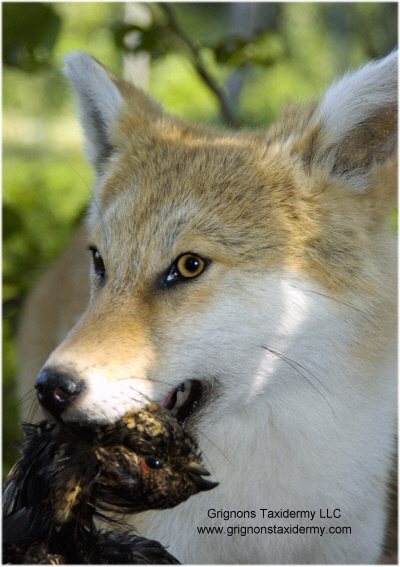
<point x="183" y="400"/>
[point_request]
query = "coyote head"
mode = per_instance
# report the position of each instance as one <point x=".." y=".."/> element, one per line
<point x="228" y="267"/>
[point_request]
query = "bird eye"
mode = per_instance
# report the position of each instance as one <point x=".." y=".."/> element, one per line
<point x="98" y="263"/>
<point x="153" y="463"/>
<point x="190" y="265"/>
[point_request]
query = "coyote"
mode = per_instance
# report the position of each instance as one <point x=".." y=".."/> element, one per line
<point x="246" y="281"/>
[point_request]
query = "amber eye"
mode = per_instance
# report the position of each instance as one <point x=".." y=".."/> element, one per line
<point x="98" y="263"/>
<point x="190" y="265"/>
<point x="187" y="266"/>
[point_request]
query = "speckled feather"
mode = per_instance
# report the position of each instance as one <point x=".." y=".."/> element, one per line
<point x="69" y="474"/>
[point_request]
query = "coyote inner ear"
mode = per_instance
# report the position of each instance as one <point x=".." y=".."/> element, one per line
<point x="357" y="126"/>
<point x="99" y="101"/>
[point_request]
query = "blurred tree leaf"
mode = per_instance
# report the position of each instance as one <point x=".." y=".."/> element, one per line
<point x="228" y="48"/>
<point x="12" y="222"/>
<point x="265" y="49"/>
<point x="145" y="39"/>
<point x="30" y="30"/>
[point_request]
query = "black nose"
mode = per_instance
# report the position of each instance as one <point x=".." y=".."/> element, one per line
<point x="56" y="390"/>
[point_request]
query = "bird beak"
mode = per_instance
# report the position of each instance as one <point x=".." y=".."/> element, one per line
<point x="196" y="472"/>
<point x="195" y="468"/>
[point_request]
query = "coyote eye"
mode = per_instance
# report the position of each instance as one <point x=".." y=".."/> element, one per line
<point x="187" y="266"/>
<point x="98" y="263"/>
<point x="190" y="266"/>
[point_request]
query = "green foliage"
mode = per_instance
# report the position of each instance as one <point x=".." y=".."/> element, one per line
<point x="208" y="63"/>
<point x="292" y="48"/>
<point x="147" y="39"/>
<point x="29" y="35"/>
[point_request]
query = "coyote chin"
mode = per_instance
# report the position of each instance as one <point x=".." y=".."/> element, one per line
<point x="247" y="282"/>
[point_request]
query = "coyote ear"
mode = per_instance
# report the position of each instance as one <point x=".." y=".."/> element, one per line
<point x="99" y="101"/>
<point x="356" y="136"/>
<point x="104" y="101"/>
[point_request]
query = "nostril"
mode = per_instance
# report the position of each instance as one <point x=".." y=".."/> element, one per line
<point x="56" y="390"/>
<point x="61" y="396"/>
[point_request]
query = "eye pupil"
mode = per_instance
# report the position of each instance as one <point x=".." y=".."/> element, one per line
<point x="192" y="264"/>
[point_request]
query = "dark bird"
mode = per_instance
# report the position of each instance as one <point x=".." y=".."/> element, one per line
<point x="70" y="475"/>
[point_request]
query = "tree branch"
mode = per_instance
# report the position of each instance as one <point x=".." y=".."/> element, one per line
<point x="198" y="64"/>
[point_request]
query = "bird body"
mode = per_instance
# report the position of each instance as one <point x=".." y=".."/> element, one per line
<point x="71" y="474"/>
